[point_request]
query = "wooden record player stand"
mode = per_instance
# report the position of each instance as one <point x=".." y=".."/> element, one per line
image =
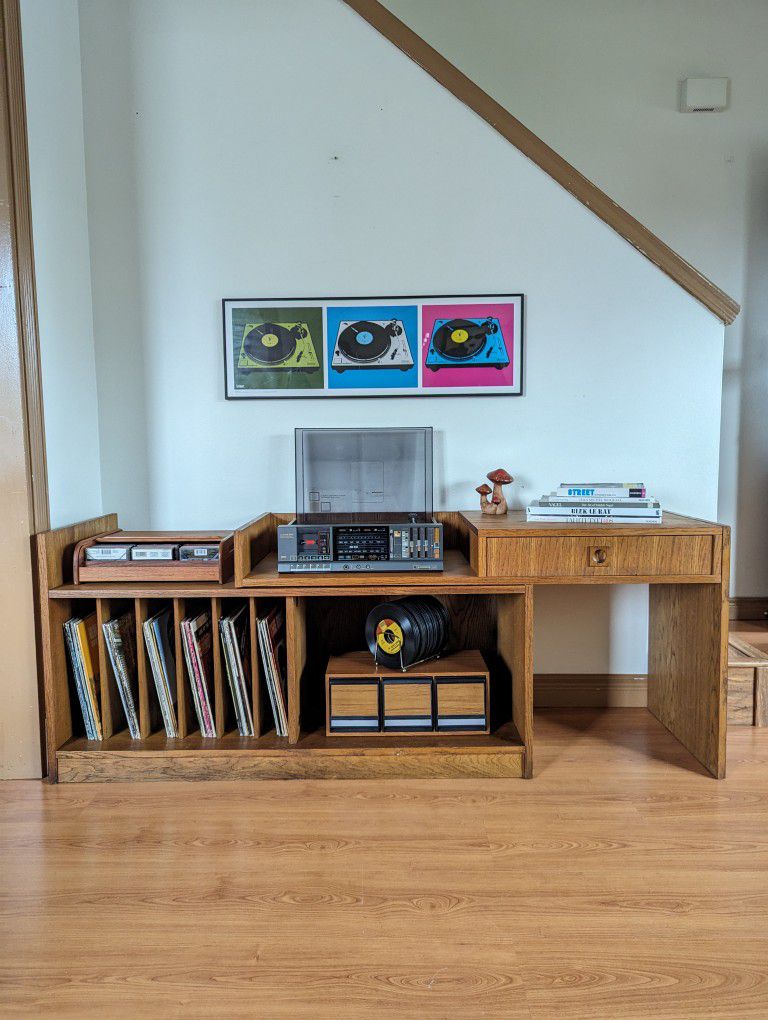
<point x="491" y="568"/>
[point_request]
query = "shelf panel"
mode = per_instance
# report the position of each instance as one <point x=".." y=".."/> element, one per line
<point x="148" y="590"/>
<point x="457" y="578"/>
<point x="315" y="756"/>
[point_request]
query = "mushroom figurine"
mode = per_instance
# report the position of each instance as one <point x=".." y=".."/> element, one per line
<point x="499" y="477"/>
<point x="485" y="491"/>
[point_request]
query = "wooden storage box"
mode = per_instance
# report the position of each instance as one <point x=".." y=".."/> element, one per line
<point x="461" y="704"/>
<point x="353" y="706"/>
<point x="747" y="676"/>
<point x="169" y="570"/>
<point x="406" y="704"/>
<point x="445" y="696"/>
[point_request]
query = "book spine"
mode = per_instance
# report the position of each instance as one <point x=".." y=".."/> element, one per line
<point x="597" y="500"/>
<point x="589" y="512"/>
<point x="571" y="519"/>
<point x="589" y="491"/>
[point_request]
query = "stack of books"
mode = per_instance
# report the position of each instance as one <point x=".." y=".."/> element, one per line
<point x="597" y="503"/>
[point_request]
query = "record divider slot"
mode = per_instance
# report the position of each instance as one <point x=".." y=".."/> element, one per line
<point x="256" y="677"/>
<point x="296" y="655"/>
<point x="183" y="705"/>
<point x="142" y="667"/>
<point x="107" y="681"/>
<point x="219" y="704"/>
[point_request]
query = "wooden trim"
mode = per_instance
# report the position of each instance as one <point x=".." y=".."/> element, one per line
<point x="590" y="690"/>
<point x="751" y="607"/>
<point x="24" y="262"/>
<point x="499" y="118"/>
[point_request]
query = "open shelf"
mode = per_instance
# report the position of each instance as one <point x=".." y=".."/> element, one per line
<point x="325" y="616"/>
<point x="315" y="756"/>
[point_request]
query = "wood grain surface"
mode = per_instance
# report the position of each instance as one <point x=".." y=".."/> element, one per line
<point x="623" y="883"/>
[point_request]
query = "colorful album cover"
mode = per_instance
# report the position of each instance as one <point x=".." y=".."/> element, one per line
<point x="471" y="344"/>
<point x="273" y="348"/>
<point x="372" y="347"/>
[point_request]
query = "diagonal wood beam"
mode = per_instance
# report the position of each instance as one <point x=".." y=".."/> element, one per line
<point x="559" y="169"/>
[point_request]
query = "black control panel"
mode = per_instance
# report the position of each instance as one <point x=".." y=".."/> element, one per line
<point x="337" y="547"/>
<point x="361" y="542"/>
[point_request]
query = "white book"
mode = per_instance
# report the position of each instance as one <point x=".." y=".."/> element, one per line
<point x="589" y="489"/>
<point x="568" y="519"/>
<point x="558" y="497"/>
<point x="589" y="512"/>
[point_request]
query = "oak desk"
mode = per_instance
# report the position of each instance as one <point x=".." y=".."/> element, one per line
<point x="491" y="569"/>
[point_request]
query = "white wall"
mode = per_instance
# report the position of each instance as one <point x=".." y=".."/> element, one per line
<point x="62" y="258"/>
<point x="598" y="80"/>
<point x="214" y="172"/>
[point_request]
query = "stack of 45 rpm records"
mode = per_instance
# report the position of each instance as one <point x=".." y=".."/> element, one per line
<point x="400" y="634"/>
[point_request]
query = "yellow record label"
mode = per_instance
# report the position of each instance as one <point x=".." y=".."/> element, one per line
<point x="389" y="636"/>
<point x="460" y="336"/>
<point x="270" y="340"/>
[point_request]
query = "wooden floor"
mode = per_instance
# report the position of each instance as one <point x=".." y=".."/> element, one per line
<point x="621" y="882"/>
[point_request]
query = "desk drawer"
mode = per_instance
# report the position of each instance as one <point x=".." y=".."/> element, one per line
<point x="596" y="556"/>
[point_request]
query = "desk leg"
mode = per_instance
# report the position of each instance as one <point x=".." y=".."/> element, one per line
<point x="687" y="666"/>
<point x="515" y="646"/>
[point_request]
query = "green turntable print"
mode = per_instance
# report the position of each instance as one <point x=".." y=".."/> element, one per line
<point x="277" y="346"/>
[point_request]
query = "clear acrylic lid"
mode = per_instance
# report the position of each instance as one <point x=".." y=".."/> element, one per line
<point x="363" y="473"/>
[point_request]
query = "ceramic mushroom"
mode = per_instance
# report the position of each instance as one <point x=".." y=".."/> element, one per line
<point x="485" y="491"/>
<point x="499" y="477"/>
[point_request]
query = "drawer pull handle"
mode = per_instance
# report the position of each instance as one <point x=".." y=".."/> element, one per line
<point x="599" y="556"/>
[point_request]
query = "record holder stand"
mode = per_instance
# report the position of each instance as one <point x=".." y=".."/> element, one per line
<point x="411" y="665"/>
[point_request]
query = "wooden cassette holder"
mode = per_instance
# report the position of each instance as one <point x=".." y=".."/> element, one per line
<point x="156" y="570"/>
<point x="444" y="696"/>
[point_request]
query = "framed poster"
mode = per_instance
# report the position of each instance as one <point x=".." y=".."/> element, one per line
<point x="377" y="347"/>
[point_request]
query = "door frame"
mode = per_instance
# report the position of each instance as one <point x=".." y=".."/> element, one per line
<point x="17" y="228"/>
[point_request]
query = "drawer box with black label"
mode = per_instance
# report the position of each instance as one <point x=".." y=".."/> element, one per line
<point x="461" y="704"/>
<point x="353" y="705"/>
<point x="406" y="704"/>
<point x="440" y="697"/>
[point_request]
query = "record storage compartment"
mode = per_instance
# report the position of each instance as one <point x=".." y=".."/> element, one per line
<point x="324" y="617"/>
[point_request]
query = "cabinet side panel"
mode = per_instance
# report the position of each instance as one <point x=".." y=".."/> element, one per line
<point x="515" y="646"/>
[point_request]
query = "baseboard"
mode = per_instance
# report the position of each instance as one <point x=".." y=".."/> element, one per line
<point x="590" y="690"/>
<point x="749" y="607"/>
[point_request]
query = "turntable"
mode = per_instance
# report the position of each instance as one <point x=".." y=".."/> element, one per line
<point x="371" y="344"/>
<point x="277" y="345"/>
<point x="467" y="343"/>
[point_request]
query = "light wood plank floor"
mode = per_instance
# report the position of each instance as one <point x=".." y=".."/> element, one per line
<point x="621" y="882"/>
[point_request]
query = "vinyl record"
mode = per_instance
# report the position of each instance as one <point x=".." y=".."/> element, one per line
<point x="419" y="615"/>
<point x="271" y="343"/>
<point x="364" y="341"/>
<point x="408" y="631"/>
<point x="391" y="636"/>
<point x="461" y="338"/>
